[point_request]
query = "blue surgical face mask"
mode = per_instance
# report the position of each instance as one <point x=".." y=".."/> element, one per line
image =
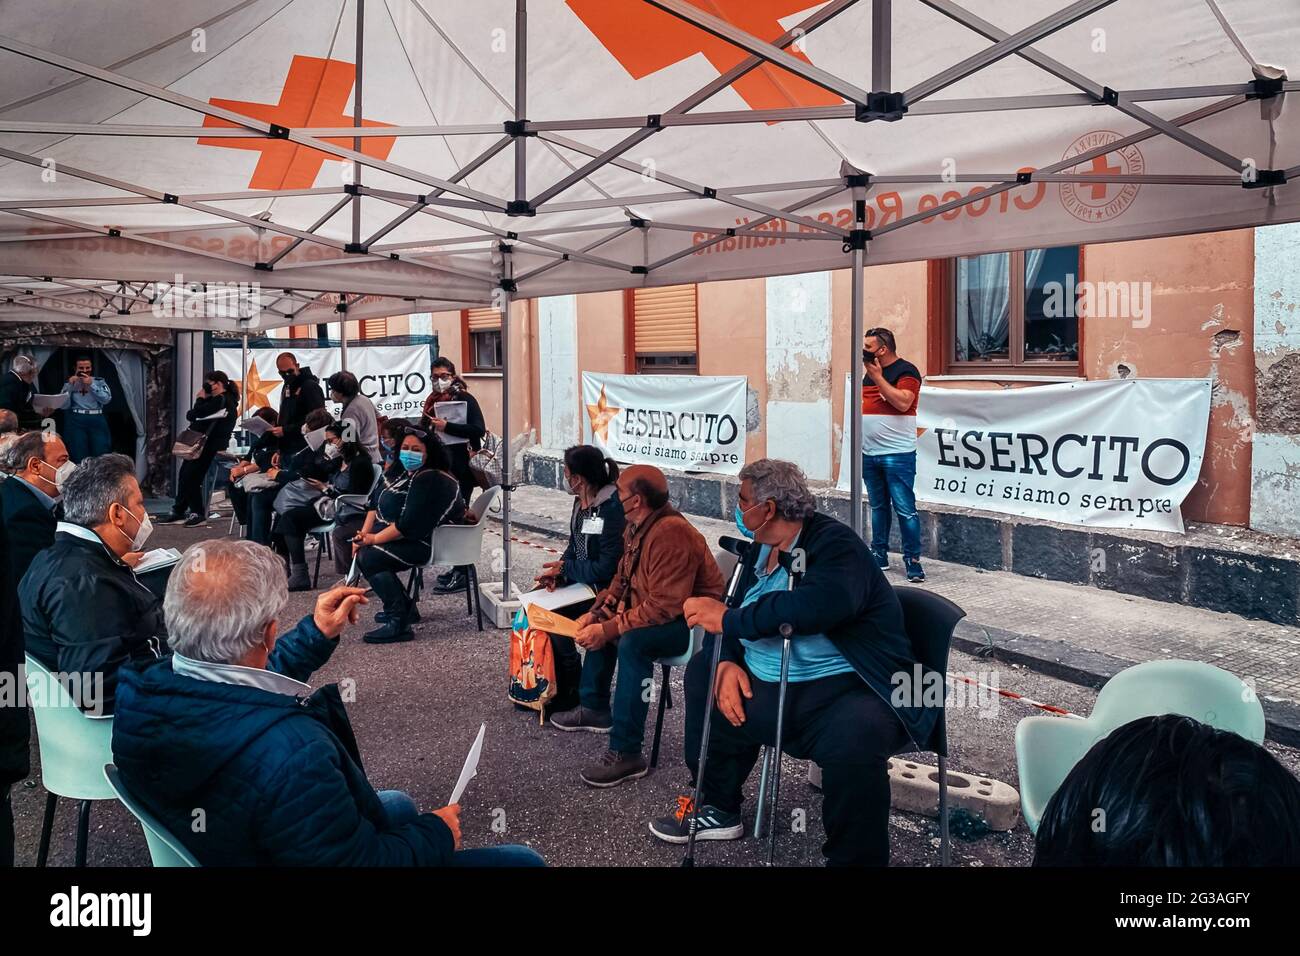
<point x="411" y="460"/>
<point x="740" y="523"/>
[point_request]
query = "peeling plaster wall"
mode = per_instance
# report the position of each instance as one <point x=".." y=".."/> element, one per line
<point x="1201" y="324"/>
<point x="1275" y="470"/>
<point x="799" y="371"/>
<point x="732" y="337"/>
<point x="557" y="356"/>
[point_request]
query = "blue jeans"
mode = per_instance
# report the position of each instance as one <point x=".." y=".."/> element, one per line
<point x="85" y="435"/>
<point x="889" y="480"/>
<point x="634" y="654"/>
<point x="401" y="810"/>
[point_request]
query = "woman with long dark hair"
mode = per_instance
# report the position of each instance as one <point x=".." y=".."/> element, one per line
<point x="258" y="459"/>
<point x="216" y="408"/>
<point x="591" y="558"/>
<point x="418" y="493"/>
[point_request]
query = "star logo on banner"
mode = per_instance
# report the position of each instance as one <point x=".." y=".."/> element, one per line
<point x="314" y="95"/>
<point x="601" y="414"/>
<point x="257" y="393"/>
<point x="645" y="39"/>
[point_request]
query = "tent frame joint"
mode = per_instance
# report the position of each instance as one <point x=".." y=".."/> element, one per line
<point x="520" y="207"/>
<point x="1109" y="97"/>
<point x="508" y="285"/>
<point x="517" y="127"/>
<point x="858" y="239"/>
<point x="1265" y="178"/>
<point x="639" y="271"/>
<point x="262" y="266"/>
<point x="357" y="247"/>
<point x="169" y="198"/>
<point x="1265" y="88"/>
<point x="278" y="132"/>
<point x="889" y="107"/>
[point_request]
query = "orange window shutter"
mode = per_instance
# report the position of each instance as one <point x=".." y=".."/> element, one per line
<point x="484" y="320"/>
<point x="374" y="328"/>
<point x="664" y="320"/>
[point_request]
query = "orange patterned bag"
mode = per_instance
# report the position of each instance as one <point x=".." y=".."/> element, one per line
<point x="532" y="666"/>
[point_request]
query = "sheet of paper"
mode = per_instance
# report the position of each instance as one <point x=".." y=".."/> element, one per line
<point x="453" y="412"/>
<point x="559" y="598"/>
<point x="471" y="766"/>
<point x="354" y="575"/>
<point x="50" y="402"/>
<point x="544" y="620"/>
<point x="256" y="426"/>
<point x="315" y="439"/>
<point x="214" y="415"/>
<point x="157" y="558"/>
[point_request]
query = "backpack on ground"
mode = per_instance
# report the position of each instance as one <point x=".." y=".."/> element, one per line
<point x="532" y="666"/>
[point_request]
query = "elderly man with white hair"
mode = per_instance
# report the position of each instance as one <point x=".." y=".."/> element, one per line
<point x="17" y="386"/>
<point x="228" y="726"/>
<point x="847" y="647"/>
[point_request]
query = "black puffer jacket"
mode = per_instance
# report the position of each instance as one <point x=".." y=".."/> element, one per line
<point x="85" y="613"/>
<point x="298" y="399"/>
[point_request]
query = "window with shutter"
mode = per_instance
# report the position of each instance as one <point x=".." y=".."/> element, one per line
<point x="374" y="328"/>
<point x="483" y="328"/>
<point x="665" y="329"/>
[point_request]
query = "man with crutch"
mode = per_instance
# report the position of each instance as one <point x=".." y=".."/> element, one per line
<point x="849" y="656"/>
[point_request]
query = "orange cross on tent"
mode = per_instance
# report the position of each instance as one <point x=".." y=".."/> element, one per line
<point x="645" y="39"/>
<point x="314" y="94"/>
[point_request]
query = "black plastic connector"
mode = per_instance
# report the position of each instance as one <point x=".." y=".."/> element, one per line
<point x="1264" y="88"/>
<point x="1266" y="178"/>
<point x="731" y="231"/>
<point x="123" y="311"/>
<point x="115" y="233"/>
<point x="508" y="285"/>
<point x="654" y="121"/>
<point x="352" y="189"/>
<point x="1109" y="97"/>
<point x="858" y="239"/>
<point x="341" y="308"/>
<point x="395" y="257"/>
<point x="169" y="198"/>
<point x="520" y="207"/>
<point x="358" y="247"/>
<point x="636" y="223"/>
<point x="279" y="132"/>
<point x="640" y="271"/>
<point x="857" y="179"/>
<point x="710" y="192"/>
<point x="262" y="266"/>
<point x="889" y="107"/>
<point x="1025" y="177"/>
<point x="518" y="128"/>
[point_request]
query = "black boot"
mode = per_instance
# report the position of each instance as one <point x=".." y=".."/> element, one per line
<point x="452" y="582"/>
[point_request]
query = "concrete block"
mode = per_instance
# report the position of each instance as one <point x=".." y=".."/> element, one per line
<point x="966" y="539"/>
<point x="1249" y="585"/>
<point x="914" y="787"/>
<point x="1042" y="551"/>
<point x="1134" y="566"/>
<point x="497" y="612"/>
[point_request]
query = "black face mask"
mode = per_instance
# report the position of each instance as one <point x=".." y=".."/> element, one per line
<point x="288" y="375"/>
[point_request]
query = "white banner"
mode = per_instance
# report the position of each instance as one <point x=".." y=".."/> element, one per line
<point x="394" y="377"/>
<point x="685" y="422"/>
<point x="1107" y="454"/>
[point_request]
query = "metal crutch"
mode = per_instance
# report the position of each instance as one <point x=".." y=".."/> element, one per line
<point x="736" y="547"/>
<point x="786" y="632"/>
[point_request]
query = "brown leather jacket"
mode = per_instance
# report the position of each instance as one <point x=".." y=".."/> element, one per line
<point x="665" y="561"/>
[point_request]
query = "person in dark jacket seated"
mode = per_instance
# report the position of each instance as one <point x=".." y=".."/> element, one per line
<point x="258" y="459"/>
<point x="591" y="557"/>
<point x="29" y="497"/>
<point x="848" y="645"/>
<point x="286" y="466"/>
<point x="84" y="612"/>
<point x="1171" y="791"/>
<point x="417" y="494"/>
<point x="292" y="525"/>
<point x="227" y="725"/>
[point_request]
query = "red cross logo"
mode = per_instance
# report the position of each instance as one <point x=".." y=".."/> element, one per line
<point x="645" y="39"/>
<point x="1101" y="168"/>
<point x="314" y="94"/>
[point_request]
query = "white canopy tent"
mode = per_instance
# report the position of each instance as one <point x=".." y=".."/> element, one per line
<point x="507" y="148"/>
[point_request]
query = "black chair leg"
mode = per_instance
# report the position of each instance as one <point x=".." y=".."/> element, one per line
<point x="469" y="592"/>
<point x="315" y="579"/>
<point x="472" y="572"/>
<point x="43" y="853"/>
<point x="83" y="832"/>
<point x="659" y="720"/>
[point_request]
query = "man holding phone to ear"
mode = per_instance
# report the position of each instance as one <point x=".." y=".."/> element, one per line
<point x="84" y="427"/>
<point x="890" y="389"/>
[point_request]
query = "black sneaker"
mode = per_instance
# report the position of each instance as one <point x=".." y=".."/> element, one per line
<point x="168" y="518"/>
<point x="913" y="567"/>
<point x="583" y="718"/>
<point x="193" y="521"/>
<point x="710" y="824"/>
<point x="451" y="584"/>
<point x="390" y="633"/>
<point x="882" y="559"/>
<point x="613" y="768"/>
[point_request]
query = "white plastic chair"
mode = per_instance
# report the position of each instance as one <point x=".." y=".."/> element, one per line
<point x="74" y="746"/>
<point x="458" y="546"/>
<point x="164" y="849"/>
<point x="666" y="664"/>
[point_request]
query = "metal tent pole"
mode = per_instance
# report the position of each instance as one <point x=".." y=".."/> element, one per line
<point x="855" y="335"/>
<point x="243" y="376"/>
<point x="356" y="141"/>
<point x="507" y="287"/>
<point x="343" y="342"/>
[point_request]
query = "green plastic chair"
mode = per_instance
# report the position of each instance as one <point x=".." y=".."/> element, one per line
<point x="164" y="849"/>
<point x="1047" y="748"/>
<point x="73" y="746"/>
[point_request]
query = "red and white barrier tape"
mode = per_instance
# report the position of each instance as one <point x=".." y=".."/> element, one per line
<point x="525" y="541"/>
<point x="1014" y="696"/>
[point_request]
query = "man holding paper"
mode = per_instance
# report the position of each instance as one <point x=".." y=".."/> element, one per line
<point x="637" y="619"/>
<point x="228" y="724"/>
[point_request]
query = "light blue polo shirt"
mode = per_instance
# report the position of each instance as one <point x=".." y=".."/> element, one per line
<point x="812" y="656"/>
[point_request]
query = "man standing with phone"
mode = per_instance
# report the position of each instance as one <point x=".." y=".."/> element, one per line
<point x="890" y="390"/>
<point x="84" y="429"/>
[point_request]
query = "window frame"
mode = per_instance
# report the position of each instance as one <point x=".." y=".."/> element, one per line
<point x="942" y="283"/>
<point x="472" y="350"/>
<point x="632" y="358"/>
